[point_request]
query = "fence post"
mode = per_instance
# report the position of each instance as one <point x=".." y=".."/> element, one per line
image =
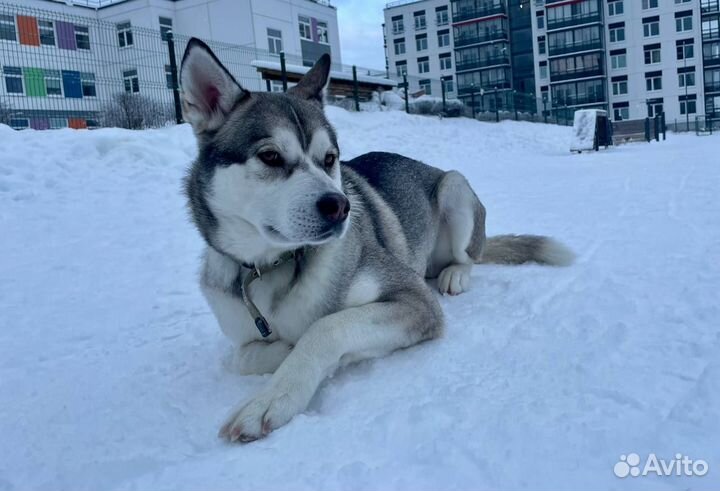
<point x="407" y="101"/>
<point x="545" y="114"/>
<point x="472" y="101"/>
<point x="662" y="124"/>
<point x="283" y="71"/>
<point x="514" y="97"/>
<point x="656" y="129"/>
<point x="355" y="89"/>
<point x="647" y="129"/>
<point x="174" y="76"/>
<point x="497" y="106"/>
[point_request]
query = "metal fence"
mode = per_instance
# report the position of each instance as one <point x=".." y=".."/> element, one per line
<point x="59" y="70"/>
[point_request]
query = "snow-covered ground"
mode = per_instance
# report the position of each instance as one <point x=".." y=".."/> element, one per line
<point x="114" y="374"/>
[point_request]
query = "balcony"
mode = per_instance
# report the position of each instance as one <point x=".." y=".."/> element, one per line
<point x="710" y="34"/>
<point x="580" y="100"/>
<point x="482" y="63"/>
<point x="488" y="87"/>
<point x="712" y="60"/>
<point x="589" y="45"/>
<point x="476" y="13"/>
<point x="710" y="6"/>
<point x="575" y="20"/>
<point x="577" y="73"/>
<point x="712" y="86"/>
<point x="477" y="39"/>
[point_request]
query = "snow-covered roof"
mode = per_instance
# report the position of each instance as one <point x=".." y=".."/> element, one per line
<point x="302" y="70"/>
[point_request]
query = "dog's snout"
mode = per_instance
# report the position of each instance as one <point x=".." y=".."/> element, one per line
<point x="335" y="207"/>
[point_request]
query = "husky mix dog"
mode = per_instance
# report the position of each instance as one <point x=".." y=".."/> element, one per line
<point x="313" y="263"/>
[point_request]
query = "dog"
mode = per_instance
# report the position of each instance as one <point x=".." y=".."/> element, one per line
<point x="313" y="263"/>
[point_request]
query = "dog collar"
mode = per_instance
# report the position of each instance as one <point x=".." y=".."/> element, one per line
<point x="260" y="322"/>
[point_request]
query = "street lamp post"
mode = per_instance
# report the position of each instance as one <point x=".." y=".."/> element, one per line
<point x="472" y="99"/>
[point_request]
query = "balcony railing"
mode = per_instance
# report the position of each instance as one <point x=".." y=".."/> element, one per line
<point x="575" y="47"/>
<point x="578" y="100"/>
<point x="709" y="34"/>
<point x="488" y="87"/>
<point x="710" y="6"/>
<point x="712" y="86"/>
<point x="575" y="20"/>
<point x="577" y="73"/>
<point x="484" y="38"/>
<point x="711" y="60"/>
<point x="482" y="63"/>
<point x="476" y="13"/>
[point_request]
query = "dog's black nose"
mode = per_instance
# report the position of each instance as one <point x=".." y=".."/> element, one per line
<point x="335" y="207"/>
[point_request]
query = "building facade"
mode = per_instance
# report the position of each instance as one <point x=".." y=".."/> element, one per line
<point x="419" y="43"/>
<point x="62" y="61"/>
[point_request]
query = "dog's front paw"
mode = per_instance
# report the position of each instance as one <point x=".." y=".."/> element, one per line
<point x="269" y="410"/>
<point x="455" y="279"/>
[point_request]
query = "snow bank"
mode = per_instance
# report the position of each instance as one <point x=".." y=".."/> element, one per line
<point x="114" y="375"/>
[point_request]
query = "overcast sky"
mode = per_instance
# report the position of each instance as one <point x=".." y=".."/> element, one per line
<point x="361" y="39"/>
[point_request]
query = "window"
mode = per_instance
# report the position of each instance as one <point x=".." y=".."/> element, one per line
<point x="423" y="64"/>
<point x="448" y="84"/>
<point x="131" y="81"/>
<point x="710" y="28"/>
<point x="398" y="26"/>
<point x="441" y="15"/>
<point x="19" y="123"/>
<point x="419" y="20"/>
<point x="621" y="111"/>
<point x="7" y="27"/>
<point x="616" y="7"/>
<point x="88" y="84"/>
<point x="685" y="49"/>
<point x="543" y="69"/>
<point x="620" y="85"/>
<point x="276" y="86"/>
<point x="653" y="81"/>
<point x="275" y="44"/>
<point x="683" y="21"/>
<point x="651" y="27"/>
<point x="47" y="32"/>
<point x="305" y="27"/>
<point x="540" y="20"/>
<point x="13" y="80"/>
<point x="688" y="105"/>
<point x="649" y="4"/>
<point x="445" y="61"/>
<point x="686" y="77"/>
<point x="401" y="68"/>
<point x="399" y="46"/>
<point x="542" y="48"/>
<point x="426" y="86"/>
<point x="682" y="1"/>
<point x="618" y="59"/>
<point x="58" y="123"/>
<point x="322" y="32"/>
<point x="617" y="32"/>
<point x="443" y="38"/>
<point x="421" y="43"/>
<point x="655" y="107"/>
<point x="82" y="37"/>
<point x="125" y="35"/>
<point x="165" y="27"/>
<point x="652" y="54"/>
<point x="53" y="82"/>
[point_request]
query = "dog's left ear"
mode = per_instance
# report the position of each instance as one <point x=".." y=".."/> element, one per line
<point x="312" y="85"/>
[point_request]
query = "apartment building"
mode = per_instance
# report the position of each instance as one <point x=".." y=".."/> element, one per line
<point x="63" y="60"/>
<point x="635" y="58"/>
<point x="419" y="44"/>
<point x="710" y="33"/>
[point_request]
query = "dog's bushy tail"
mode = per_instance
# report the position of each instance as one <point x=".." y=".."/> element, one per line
<point x="519" y="249"/>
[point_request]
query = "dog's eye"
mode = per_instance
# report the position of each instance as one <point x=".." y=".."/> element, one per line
<point x="273" y="159"/>
<point x="329" y="160"/>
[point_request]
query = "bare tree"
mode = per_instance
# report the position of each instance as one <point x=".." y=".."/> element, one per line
<point x="136" y="112"/>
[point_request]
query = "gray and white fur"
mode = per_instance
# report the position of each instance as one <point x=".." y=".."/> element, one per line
<point x="367" y="234"/>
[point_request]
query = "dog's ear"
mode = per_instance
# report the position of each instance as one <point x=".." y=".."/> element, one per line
<point x="209" y="91"/>
<point x="312" y="85"/>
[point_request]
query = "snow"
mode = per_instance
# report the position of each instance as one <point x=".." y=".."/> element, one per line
<point x="114" y="374"/>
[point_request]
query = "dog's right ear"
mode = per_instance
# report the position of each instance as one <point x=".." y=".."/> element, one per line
<point x="209" y="91"/>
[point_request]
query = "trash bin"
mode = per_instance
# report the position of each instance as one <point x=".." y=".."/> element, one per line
<point x="591" y="129"/>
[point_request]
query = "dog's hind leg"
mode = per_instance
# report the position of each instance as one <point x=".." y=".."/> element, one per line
<point x="461" y="236"/>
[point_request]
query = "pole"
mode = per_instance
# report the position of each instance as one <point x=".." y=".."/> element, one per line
<point x="514" y="96"/>
<point x="442" y="87"/>
<point x="283" y="71"/>
<point x="174" y="77"/>
<point x="497" y="106"/>
<point x="545" y="115"/>
<point x="355" y="89"/>
<point x="407" y="102"/>
<point x="687" y="113"/>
